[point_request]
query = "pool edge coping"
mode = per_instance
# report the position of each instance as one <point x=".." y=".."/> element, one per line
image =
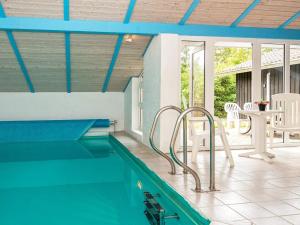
<point x="177" y="199"/>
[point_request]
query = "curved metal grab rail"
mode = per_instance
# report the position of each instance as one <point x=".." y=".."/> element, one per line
<point x="212" y="148"/>
<point x="173" y="168"/>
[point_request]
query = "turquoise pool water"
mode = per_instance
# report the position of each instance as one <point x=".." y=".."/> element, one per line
<point x="94" y="181"/>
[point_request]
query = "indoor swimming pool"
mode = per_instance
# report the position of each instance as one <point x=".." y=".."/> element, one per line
<point x="93" y="181"/>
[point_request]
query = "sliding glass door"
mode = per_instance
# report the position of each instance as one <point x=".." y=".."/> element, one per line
<point x="233" y="75"/>
<point x="193" y="77"/>
<point x="197" y="72"/>
<point x="193" y="74"/>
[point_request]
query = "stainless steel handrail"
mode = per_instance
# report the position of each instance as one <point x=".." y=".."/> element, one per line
<point x="163" y="109"/>
<point x="212" y="148"/>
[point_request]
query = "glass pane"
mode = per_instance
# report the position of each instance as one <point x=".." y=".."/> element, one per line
<point x="198" y="78"/>
<point x="272" y="58"/>
<point x="295" y="68"/>
<point x="272" y="79"/>
<point x="192" y="77"/>
<point x="294" y="80"/>
<point x="185" y="76"/>
<point x="192" y="74"/>
<point x="233" y="71"/>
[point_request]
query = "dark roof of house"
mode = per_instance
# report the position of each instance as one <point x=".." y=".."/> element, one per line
<point x="270" y="59"/>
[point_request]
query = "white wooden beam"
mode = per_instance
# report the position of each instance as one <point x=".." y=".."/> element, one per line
<point x="256" y="72"/>
<point x="209" y="76"/>
<point x="287" y="69"/>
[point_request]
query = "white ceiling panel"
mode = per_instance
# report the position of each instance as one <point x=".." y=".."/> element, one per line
<point x="167" y="11"/>
<point x="34" y="8"/>
<point x="129" y="62"/>
<point x="90" y="57"/>
<point x="11" y="77"/>
<point x="271" y="13"/>
<point x="218" y="12"/>
<point x="44" y="57"/>
<point x="106" y="10"/>
<point x="295" y="24"/>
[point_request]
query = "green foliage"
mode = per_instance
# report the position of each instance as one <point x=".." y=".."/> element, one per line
<point x="225" y="85"/>
<point x="185" y="77"/>
<point x="228" y="57"/>
<point x="225" y="91"/>
<point x="198" y="86"/>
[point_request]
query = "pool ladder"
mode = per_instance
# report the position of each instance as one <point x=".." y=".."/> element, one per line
<point x="186" y="169"/>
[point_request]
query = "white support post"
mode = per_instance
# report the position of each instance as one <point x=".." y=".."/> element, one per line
<point x="209" y="76"/>
<point x="209" y="80"/>
<point x="287" y="81"/>
<point x="161" y="87"/>
<point x="170" y="92"/>
<point x="256" y="87"/>
<point x="287" y="71"/>
<point x="256" y="72"/>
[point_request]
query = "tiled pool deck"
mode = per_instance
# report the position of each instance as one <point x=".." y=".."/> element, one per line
<point x="253" y="192"/>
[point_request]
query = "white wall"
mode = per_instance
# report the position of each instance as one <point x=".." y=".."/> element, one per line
<point x="130" y="109"/>
<point x="161" y="86"/>
<point x="152" y="73"/>
<point x="170" y="86"/>
<point x="60" y="106"/>
<point x="135" y="104"/>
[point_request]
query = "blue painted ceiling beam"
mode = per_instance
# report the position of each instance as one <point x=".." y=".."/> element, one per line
<point x="129" y="11"/>
<point x="66" y="10"/>
<point x="128" y="82"/>
<point x="245" y="13"/>
<point x="118" y="47"/>
<point x="68" y="48"/>
<point x="68" y="62"/>
<point x="189" y="12"/>
<point x="290" y="20"/>
<point x="17" y="53"/>
<point x="140" y="28"/>
<point x="113" y="62"/>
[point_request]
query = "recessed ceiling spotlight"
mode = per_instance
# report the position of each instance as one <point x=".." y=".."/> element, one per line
<point x="128" y="38"/>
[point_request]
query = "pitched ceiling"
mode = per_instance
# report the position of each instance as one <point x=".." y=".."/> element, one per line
<point x="44" y="53"/>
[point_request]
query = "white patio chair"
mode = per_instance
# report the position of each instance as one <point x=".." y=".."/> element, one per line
<point x="288" y="121"/>
<point x="232" y="110"/>
<point x="248" y="106"/>
<point x="198" y="135"/>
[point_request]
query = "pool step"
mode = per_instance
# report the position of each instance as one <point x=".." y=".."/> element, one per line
<point x="62" y="150"/>
<point x="60" y="172"/>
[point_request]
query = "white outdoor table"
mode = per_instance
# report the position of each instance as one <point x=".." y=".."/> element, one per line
<point x="259" y="120"/>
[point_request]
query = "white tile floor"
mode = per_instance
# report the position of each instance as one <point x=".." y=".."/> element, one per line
<point x="253" y="192"/>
